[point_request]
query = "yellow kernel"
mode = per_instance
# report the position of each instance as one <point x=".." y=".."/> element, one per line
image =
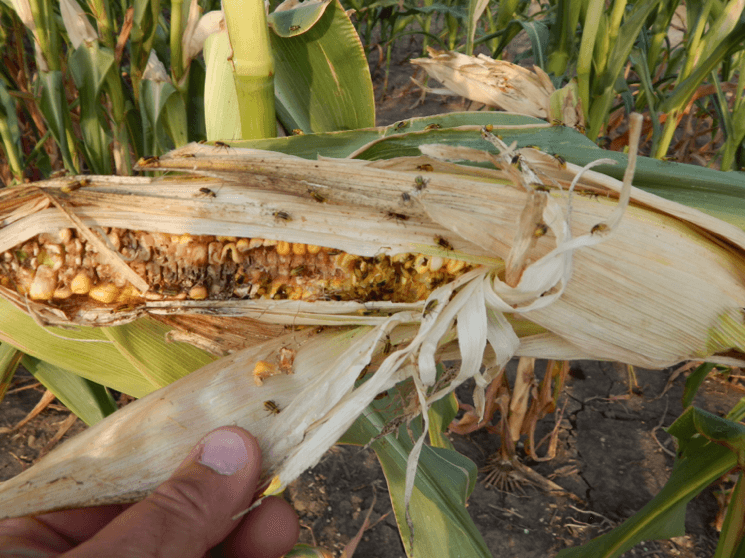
<point x="185" y="238"/>
<point x="283" y="248"/>
<point x="198" y="293"/>
<point x="226" y="239"/>
<point x="313" y="249"/>
<point x="243" y="245"/>
<point x="346" y="261"/>
<point x="454" y="266"/>
<point x="104" y="293"/>
<point x="263" y="370"/>
<point x="299" y="249"/>
<point x="81" y="284"/>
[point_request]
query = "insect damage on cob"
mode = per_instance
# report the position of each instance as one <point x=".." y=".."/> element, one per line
<point x="66" y="270"/>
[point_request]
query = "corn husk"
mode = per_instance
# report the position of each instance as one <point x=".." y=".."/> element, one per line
<point x="620" y="275"/>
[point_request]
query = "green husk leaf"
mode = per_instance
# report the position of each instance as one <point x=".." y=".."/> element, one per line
<point x="88" y="400"/>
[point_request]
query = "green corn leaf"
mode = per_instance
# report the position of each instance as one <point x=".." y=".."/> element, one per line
<point x="694" y="381"/>
<point x="444" y="481"/>
<point x="734" y="524"/>
<point x="53" y="106"/>
<point x="154" y="98"/>
<point x="10" y="357"/>
<point x="143" y="343"/>
<point x="90" y="64"/>
<point x="322" y="80"/>
<point x="102" y="363"/>
<point x="90" y="401"/>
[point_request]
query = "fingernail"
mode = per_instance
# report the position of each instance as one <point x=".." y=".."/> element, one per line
<point x="224" y="452"/>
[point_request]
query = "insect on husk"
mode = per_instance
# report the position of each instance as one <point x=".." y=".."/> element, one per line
<point x="557" y="122"/>
<point x="76" y="184"/>
<point x="297" y="132"/>
<point x="406" y="197"/>
<point x="434" y="126"/>
<point x="207" y="192"/>
<point x="147" y="159"/>
<point x="559" y="159"/>
<point x="515" y="161"/>
<point x="272" y="407"/>
<point x="541" y="188"/>
<point x="400" y="125"/>
<point x="387" y="347"/>
<point x="222" y="145"/>
<point x="420" y="183"/>
<point x="540" y="230"/>
<point x="425" y="167"/>
<point x="282" y="216"/>
<point x="188" y="156"/>
<point x="489" y="128"/>
<point x="580" y="128"/>
<point x="294" y="27"/>
<point x="316" y="196"/>
<point x="443" y="243"/>
<point x="396" y="216"/>
<point x="431" y="305"/>
<point x="600" y="227"/>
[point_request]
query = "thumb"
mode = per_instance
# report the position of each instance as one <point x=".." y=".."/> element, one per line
<point x="191" y="512"/>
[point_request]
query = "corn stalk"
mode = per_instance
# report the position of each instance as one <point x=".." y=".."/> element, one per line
<point x="391" y="262"/>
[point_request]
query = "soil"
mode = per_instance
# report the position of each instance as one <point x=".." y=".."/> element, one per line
<point x="612" y="455"/>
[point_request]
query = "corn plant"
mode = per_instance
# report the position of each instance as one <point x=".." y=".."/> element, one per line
<point x="382" y="300"/>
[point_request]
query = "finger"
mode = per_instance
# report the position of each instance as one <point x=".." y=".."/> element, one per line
<point x="269" y="531"/>
<point x="80" y="525"/>
<point x="192" y="511"/>
<point x="25" y="536"/>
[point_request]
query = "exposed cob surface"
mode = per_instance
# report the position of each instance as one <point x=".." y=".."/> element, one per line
<point x="65" y="269"/>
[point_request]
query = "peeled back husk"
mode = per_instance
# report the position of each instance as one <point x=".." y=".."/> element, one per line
<point x="652" y="285"/>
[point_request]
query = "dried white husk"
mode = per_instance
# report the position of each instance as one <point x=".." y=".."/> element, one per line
<point x="627" y="292"/>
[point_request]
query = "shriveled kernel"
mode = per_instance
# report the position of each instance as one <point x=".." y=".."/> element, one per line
<point x="299" y="249"/>
<point x="198" y="293"/>
<point x="185" y="238"/>
<point x="283" y="248"/>
<point x="243" y="245"/>
<point x="233" y="253"/>
<point x="255" y="243"/>
<point x="264" y="370"/>
<point x="81" y="284"/>
<point x="44" y="284"/>
<point x="105" y="293"/>
<point x="313" y="249"/>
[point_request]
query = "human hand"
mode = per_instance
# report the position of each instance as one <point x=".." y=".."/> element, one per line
<point x="188" y="516"/>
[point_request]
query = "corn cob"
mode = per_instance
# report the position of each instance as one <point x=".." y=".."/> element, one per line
<point x="593" y="285"/>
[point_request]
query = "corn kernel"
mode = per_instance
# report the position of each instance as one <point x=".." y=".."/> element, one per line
<point x="198" y="293"/>
<point x="104" y="293"/>
<point x="283" y="248"/>
<point x="81" y="284"/>
<point x="313" y="249"/>
<point x="299" y="249"/>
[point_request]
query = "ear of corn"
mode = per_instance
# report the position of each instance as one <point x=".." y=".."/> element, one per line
<point x="609" y="278"/>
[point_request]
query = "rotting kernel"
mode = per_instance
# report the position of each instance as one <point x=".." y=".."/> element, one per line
<point x="454" y="266"/>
